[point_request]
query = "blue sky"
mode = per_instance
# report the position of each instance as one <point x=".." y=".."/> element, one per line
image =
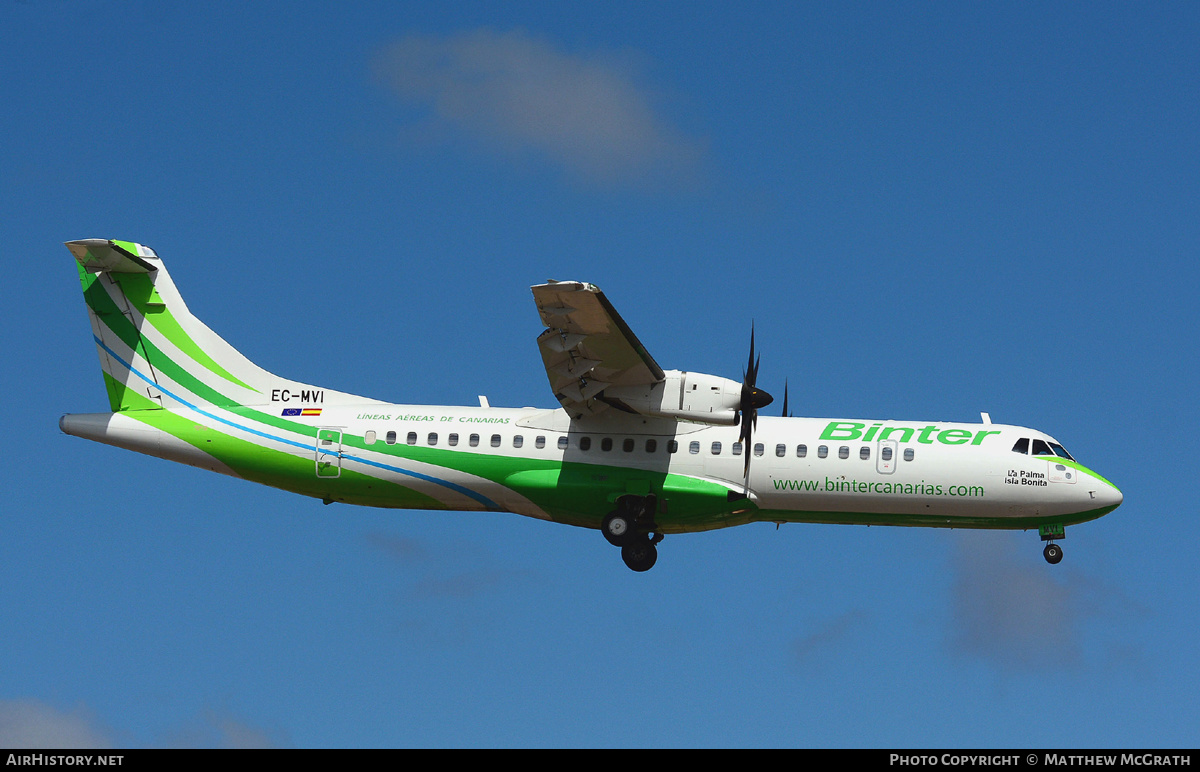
<point x="926" y="210"/>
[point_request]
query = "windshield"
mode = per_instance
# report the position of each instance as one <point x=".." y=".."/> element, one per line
<point x="1060" y="451"/>
<point x="1041" y="448"/>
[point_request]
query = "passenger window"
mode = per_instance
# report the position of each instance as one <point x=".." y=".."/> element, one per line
<point x="822" y="452"/>
<point x="886" y="453"/>
<point x="736" y="448"/>
<point x="540" y="442"/>
<point x="562" y="442"/>
<point x="473" y="441"/>
<point x="1022" y="446"/>
<point x="716" y="448"/>
<point x="908" y="454"/>
<point x="452" y="440"/>
<point x="864" y="452"/>
<point x="411" y="439"/>
<point x="369" y="437"/>
<point x="606" y="444"/>
<point x="495" y="440"/>
<point x="844" y="451"/>
<point x="585" y="443"/>
<point x="672" y="446"/>
<point x="780" y="450"/>
<point x="651" y="446"/>
<point x="391" y="438"/>
<point x="694" y="447"/>
<point x="627" y="445"/>
<point x="801" y="451"/>
<point x="759" y="449"/>
<point x="518" y="440"/>
<point x="1041" y="449"/>
<point x="432" y="438"/>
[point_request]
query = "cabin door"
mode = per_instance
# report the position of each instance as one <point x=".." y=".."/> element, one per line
<point x="329" y="452"/>
<point x="885" y="459"/>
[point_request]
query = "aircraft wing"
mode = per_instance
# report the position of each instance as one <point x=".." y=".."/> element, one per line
<point x="587" y="346"/>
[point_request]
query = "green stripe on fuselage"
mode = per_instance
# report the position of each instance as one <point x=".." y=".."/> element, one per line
<point x="571" y="492"/>
<point x="295" y="472"/>
<point x="1077" y="467"/>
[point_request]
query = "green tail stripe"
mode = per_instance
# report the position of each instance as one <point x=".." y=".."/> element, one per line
<point x="110" y="316"/>
<point x="141" y="293"/>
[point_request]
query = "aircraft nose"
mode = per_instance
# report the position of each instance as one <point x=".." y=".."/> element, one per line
<point x="1107" y="495"/>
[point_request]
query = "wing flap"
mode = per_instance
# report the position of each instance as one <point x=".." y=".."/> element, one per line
<point x="587" y="346"/>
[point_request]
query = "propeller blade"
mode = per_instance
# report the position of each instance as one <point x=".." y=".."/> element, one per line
<point x="753" y="399"/>
<point x="750" y="374"/>
<point x="785" y="399"/>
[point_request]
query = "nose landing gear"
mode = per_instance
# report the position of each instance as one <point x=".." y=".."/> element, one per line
<point x="1053" y="553"/>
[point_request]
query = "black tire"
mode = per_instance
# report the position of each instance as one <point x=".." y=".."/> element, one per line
<point x="617" y="528"/>
<point x="640" y="555"/>
<point x="1053" y="553"/>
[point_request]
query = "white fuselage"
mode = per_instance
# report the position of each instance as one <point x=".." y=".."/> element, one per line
<point x="801" y="469"/>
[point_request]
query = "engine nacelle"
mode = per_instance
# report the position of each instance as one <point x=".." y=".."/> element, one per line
<point x="686" y="396"/>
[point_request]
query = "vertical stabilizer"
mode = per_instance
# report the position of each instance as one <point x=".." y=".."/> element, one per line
<point x="153" y="351"/>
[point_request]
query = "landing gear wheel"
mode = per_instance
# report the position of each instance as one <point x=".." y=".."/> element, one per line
<point x="617" y="528"/>
<point x="1053" y="553"/>
<point x="640" y="555"/>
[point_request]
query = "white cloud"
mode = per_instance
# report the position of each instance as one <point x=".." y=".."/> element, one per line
<point x="587" y="113"/>
<point x="33" y="724"/>
<point x="221" y="729"/>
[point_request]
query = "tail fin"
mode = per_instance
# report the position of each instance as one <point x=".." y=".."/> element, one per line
<point x="153" y="351"/>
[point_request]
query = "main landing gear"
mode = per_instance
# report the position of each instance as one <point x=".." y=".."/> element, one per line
<point x="1053" y="553"/>
<point x="631" y="527"/>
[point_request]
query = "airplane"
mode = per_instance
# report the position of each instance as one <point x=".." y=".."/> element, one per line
<point x="634" y="451"/>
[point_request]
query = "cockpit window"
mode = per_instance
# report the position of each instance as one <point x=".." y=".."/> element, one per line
<point x="1022" y="446"/>
<point x="1060" y="451"/>
<point x="1041" y="449"/>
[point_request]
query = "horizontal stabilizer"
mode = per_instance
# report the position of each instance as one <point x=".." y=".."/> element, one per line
<point x="96" y="255"/>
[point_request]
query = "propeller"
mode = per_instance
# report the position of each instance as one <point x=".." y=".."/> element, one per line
<point x="753" y="398"/>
